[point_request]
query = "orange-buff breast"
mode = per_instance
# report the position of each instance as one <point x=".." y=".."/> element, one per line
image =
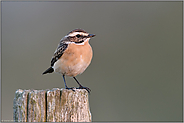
<point x="75" y="60"/>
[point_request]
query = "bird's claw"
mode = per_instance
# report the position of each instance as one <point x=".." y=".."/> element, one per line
<point x="72" y="88"/>
<point x="81" y="87"/>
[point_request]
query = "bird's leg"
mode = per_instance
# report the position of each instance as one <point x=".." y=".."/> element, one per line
<point x="66" y="85"/>
<point x="81" y="87"/>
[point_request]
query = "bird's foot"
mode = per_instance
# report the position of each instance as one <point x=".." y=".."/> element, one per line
<point x="72" y="88"/>
<point x="81" y="87"/>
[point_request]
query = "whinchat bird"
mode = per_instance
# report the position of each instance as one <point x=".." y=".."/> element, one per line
<point x="72" y="56"/>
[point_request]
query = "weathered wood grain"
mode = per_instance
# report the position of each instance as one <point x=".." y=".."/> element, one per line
<point x="56" y="105"/>
<point x="53" y="105"/>
<point x="36" y="106"/>
<point x="20" y="105"/>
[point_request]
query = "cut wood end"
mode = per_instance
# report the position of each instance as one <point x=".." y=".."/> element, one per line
<point x="82" y="91"/>
<point x="19" y="91"/>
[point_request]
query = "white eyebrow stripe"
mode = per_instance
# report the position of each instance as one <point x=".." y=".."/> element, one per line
<point x="80" y="33"/>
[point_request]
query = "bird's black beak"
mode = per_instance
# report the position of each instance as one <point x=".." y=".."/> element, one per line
<point x="91" y="35"/>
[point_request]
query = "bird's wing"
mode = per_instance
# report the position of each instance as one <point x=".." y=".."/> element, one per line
<point x="58" y="52"/>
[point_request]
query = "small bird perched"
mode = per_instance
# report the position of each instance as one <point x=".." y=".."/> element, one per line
<point x="72" y="56"/>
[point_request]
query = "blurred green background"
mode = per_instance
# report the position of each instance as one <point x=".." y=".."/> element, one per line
<point x="136" y="71"/>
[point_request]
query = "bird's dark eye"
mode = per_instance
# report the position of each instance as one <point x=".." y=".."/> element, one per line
<point x="77" y="35"/>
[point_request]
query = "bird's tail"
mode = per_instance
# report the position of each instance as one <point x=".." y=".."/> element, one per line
<point x="49" y="70"/>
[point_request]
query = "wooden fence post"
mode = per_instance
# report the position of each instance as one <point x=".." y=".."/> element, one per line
<point x="56" y="105"/>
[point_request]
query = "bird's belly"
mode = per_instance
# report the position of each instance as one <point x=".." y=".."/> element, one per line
<point x="70" y="68"/>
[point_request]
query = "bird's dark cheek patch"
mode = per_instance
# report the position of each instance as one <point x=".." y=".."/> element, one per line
<point x="79" y="42"/>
